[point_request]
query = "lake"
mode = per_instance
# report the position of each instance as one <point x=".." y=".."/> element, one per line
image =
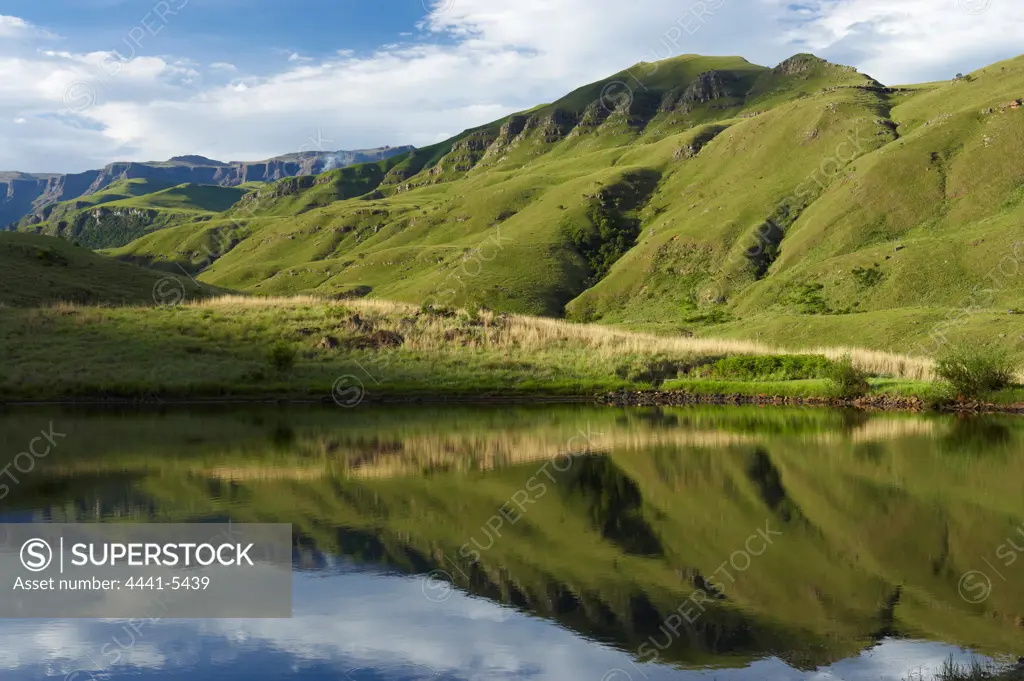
<point x="560" y="542"/>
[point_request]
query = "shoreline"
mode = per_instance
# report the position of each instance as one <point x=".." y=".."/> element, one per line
<point x="884" y="403"/>
<point x="618" y="398"/>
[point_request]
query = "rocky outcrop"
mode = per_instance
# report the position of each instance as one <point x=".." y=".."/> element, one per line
<point x="705" y="88"/>
<point x="465" y="153"/>
<point x="510" y="129"/>
<point x="557" y="125"/>
<point x="798" y="63"/>
<point x="594" y="115"/>
<point x="22" y="194"/>
<point x="552" y="126"/>
<point x="804" y="63"/>
<point x="290" y="186"/>
<point x="698" y="142"/>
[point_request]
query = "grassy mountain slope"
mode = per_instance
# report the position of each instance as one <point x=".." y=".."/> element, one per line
<point x="703" y="194"/>
<point x="950" y="191"/>
<point x="128" y="209"/>
<point x="40" y="269"/>
<point x="117" y="191"/>
<point x="188" y="198"/>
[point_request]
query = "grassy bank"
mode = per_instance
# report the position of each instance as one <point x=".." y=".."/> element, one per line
<point x="310" y="348"/>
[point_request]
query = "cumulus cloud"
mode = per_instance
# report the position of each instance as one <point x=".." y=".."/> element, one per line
<point x="471" y="62"/>
<point x="910" y="40"/>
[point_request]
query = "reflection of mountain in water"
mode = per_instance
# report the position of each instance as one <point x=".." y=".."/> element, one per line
<point x="877" y="520"/>
<point x="614" y="504"/>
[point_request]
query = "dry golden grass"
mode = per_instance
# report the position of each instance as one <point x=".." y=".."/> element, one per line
<point x="258" y="301"/>
<point x="538" y="333"/>
<point x="410" y="453"/>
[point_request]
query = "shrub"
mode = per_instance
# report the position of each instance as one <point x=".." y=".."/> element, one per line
<point x="50" y="257"/>
<point x="768" y="368"/>
<point x="282" y="356"/>
<point x="437" y="311"/>
<point x="469" y="317"/>
<point x="847" y="380"/>
<point x="975" y="372"/>
<point x="810" y="299"/>
<point x="654" y="370"/>
<point x="868" y="276"/>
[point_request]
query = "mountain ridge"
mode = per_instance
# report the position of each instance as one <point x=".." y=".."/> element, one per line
<point x="30" y="194"/>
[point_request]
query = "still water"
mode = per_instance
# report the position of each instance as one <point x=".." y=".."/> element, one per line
<point x="562" y="543"/>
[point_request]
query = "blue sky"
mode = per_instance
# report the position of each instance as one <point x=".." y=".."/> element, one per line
<point x="87" y="82"/>
<point x="256" y="33"/>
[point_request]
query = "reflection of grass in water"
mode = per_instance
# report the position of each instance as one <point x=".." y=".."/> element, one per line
<point x="978" y="437"/>
<point x="860" y="527"/>
<point x="974" y="670"/>
<point x="409" y="441"/>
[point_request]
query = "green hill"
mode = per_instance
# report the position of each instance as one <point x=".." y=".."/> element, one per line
<point x="189" y="198"/>
<point x="41" y="269"/>
<point x="129" y="209"/>
<point x="805" y="202"/>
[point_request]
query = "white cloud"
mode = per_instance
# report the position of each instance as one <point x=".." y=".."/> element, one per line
<point x="476" y="60"/>
<point x="358" y="620"/>
<point x="912" y="40"/>
<point x="16" y="27"/>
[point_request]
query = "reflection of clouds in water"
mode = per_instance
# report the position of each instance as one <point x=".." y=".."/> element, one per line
<point x="28" y="644"/>
<point x="390" y="622"/>
<point x="67" y="646"/>
<point x="895" y="660"/>
<point x="358" y="621"/>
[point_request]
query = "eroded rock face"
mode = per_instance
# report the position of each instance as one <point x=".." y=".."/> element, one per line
<point x="478" y="141"/>
<point x="509" y="131"/>
<point x="553" y="126"/>
<point x="706" y="87"/>
<point x="464" y="154"/>
<point x="512" y="128"/>
<point x="593" y="116"/>
<point x="798" y="63"/>
<point x="16" y="197"/>
<point x="290" y="187"/>
<point x="699" y="142"/>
